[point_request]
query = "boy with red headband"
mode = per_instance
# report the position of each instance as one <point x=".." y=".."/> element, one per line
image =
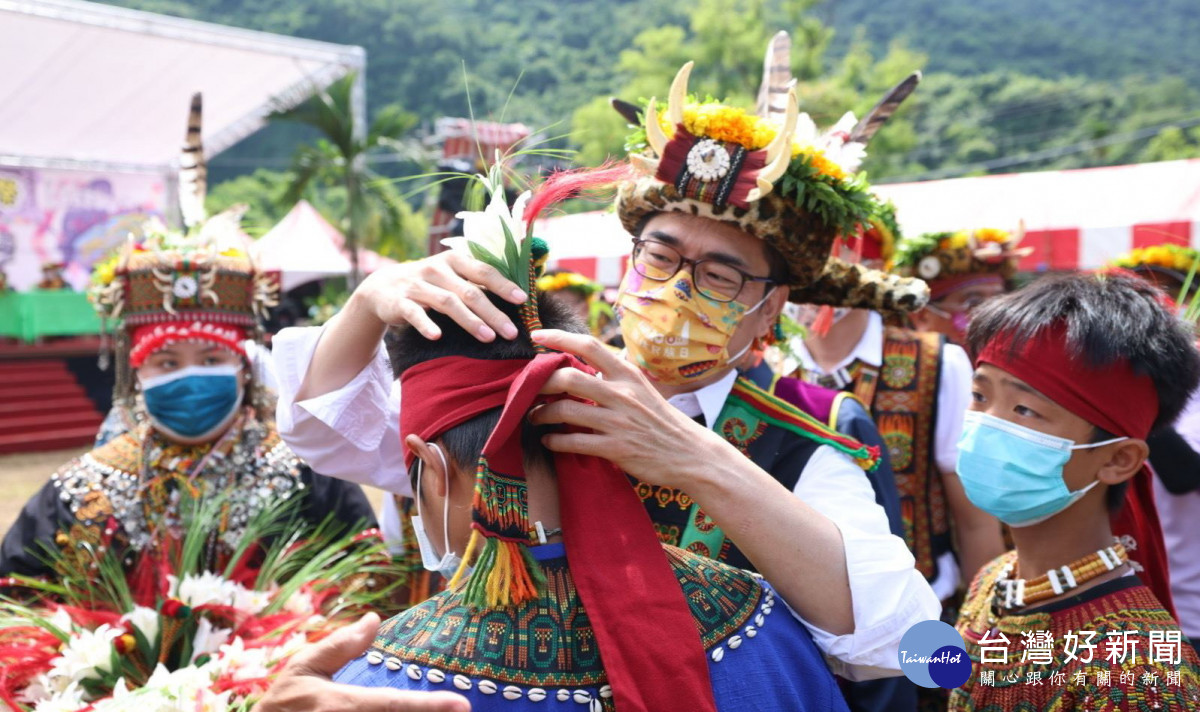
<point x="1072" y="374"/>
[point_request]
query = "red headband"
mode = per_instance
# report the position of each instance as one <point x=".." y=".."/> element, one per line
<point x="152" y="337"/>
<point x="1112" y="397"/>
<point x="652" y="662"/>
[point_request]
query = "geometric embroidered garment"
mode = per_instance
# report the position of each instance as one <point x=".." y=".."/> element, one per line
<point x="774" y="434"/>
<point x="1111" y="647"/>
<point x="545" y="649"/>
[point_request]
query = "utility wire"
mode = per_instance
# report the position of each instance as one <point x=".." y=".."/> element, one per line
<point x="1047" y="154"/>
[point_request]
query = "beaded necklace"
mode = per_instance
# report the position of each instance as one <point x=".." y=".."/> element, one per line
<point x="1010" y="594"/>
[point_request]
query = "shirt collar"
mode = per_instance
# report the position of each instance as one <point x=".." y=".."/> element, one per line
<point x="869" y="349"/>
<point x="707" y="401"/>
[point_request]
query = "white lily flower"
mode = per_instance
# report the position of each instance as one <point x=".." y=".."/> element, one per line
<point x="198" y="590"/>
<point x="209" y="639"/>
<point x="251" y="601"/>
<point x="85" y="654"/>
<point x="145" y="620"/>
<point x="70" y="699"/>
<point x="486" y="228"/>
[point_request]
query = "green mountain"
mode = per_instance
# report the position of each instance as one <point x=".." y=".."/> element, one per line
<point x="1010" y="84"/>
<point x="1100" y="39"/>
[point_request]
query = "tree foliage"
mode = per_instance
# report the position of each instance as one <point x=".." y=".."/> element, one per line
<point x="1085" y="82"/>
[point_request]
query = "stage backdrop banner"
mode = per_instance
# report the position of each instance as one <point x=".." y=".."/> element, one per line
<point x="76" y="217"/>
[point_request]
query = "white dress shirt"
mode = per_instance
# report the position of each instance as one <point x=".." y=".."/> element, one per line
<point x="953" y="399"/>
<point x="353" y="433"/>
<point x="1178" y="514"/>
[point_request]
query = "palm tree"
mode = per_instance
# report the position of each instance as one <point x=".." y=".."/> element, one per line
<point x="338" y="158"/>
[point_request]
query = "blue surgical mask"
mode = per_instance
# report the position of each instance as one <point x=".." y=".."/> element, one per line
<point x="447" y="563"/>
<point x="193" y="402"/>
<point x="1015" y="473"/>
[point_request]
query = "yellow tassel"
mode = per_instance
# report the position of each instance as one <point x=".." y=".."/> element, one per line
<point x="472" y="543"/>
<point x="498" y="593"/>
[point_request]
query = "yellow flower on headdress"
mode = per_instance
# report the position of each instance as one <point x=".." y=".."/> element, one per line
<point x="955" y="241"/>
<point x="232" y="252"/>
<point x="105" y="271"/>
<point x="991" y="234"/>
<point x="723" y="123"/>
<point x="735" y="125"/>
<point x="563" y="280"/>
<point x="820" y="161"/>
<point x="1176" y="257"/>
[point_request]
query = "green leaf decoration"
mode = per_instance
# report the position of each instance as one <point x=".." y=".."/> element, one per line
<point x="512" y="255"/>
<point x="486" y="257"/>
<point x="525" y="258"/>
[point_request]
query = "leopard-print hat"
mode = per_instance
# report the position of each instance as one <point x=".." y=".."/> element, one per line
<point x="772" y="175"/>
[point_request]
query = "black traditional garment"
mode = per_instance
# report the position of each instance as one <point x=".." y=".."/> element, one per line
<point x="129" y="486"/>
<point x="776" y="436"/>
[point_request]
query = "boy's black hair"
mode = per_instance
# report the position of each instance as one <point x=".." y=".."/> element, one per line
<point x="464" y="442"/>
<point x="1108" y="318"/>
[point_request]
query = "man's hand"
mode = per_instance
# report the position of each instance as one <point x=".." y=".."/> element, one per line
<point x="306" y="685"/>
<point x="632" y="425"/>
<point x="449" y="282"/>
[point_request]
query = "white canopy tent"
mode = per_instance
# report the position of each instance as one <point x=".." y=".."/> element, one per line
<point x="304" y="247"/>
<point x="301" y="248"/>
<point x="93" y="107"/>
<point x="93" y="86"/>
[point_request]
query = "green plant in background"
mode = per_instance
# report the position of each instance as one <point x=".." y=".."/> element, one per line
<point x="330" y="301"/>
<point x="338" y="159"/>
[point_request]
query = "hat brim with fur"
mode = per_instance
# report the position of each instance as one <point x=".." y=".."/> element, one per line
<point x="803" y="240"/>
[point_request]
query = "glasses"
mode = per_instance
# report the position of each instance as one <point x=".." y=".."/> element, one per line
<point x="714" y="279"/>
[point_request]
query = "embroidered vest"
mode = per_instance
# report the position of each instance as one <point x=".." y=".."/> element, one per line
<point x="903" y="399"/>
<point x="762" y="427"/>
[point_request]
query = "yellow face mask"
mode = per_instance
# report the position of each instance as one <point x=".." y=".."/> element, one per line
<point x="672" y="332"/>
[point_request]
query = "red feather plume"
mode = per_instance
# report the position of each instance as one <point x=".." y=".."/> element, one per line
<point x="563" y="185"/>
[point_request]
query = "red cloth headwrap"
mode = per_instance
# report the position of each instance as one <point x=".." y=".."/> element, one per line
<point x="1114" y="398"/>
<point x="1111" y="397"/>
<point x="651" y="648"/>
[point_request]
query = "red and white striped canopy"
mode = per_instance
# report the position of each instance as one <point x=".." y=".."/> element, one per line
<point x="1077" y="219"/>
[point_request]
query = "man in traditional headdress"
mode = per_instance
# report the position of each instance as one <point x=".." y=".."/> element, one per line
<point x="963" y="270"/>
<point x="721" y="237"/>
<point x="1071" y="376"/>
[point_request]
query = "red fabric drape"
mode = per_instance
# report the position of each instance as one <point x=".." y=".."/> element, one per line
<point x="651" y="647"/>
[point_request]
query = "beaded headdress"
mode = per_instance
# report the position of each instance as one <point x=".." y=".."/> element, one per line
<point x="947" y="255"/>
<point x="194" y="284"/>
<point x="773" y="175"/>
